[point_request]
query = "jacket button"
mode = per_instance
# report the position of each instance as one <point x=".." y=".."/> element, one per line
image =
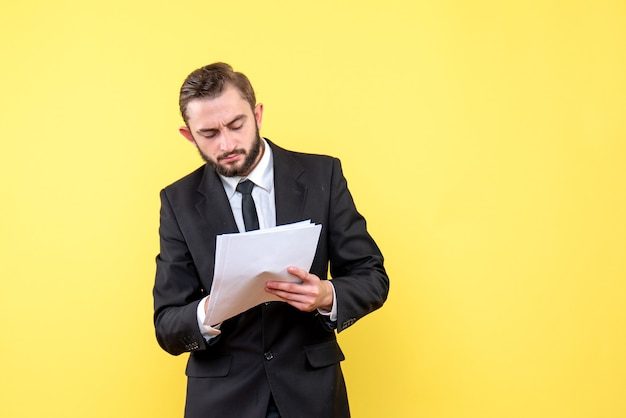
<point x="268" y="356"/>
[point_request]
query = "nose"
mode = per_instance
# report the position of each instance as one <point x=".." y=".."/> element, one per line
<point x="226" y="143"/>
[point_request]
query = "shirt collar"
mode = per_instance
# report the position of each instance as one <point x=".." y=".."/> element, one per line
<point x="262" y="175"/>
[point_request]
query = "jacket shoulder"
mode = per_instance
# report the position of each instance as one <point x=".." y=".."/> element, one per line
<point x="303" y="158"/>
<point x="191" y="180"/>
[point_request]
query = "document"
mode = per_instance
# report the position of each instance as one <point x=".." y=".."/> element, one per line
<point x="244" y="262"/>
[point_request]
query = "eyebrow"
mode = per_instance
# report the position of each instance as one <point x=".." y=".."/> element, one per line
<point x="236" y="119"/>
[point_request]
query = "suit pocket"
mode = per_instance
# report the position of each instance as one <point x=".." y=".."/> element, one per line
<point x="323" y="354"/>
<point x="213" y="366"/>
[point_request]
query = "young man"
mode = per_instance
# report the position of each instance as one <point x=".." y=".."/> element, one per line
<point x="279" y="358"/>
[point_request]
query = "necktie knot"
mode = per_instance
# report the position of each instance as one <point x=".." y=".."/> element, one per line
<point x="245" y="187"/>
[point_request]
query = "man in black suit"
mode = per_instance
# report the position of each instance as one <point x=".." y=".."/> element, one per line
<point x="280" y="358"/>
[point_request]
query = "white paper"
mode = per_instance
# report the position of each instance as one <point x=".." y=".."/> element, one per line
<point x="244" y="262"/>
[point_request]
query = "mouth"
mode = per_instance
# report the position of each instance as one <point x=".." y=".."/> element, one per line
<point x="230" y="158"/>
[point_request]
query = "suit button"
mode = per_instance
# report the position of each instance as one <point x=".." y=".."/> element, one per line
<point x="268" y="356"/>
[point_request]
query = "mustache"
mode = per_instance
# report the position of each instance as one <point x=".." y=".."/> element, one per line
<point x="230" y="154"/>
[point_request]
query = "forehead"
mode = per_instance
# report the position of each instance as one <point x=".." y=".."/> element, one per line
<point x="229" y="103"/>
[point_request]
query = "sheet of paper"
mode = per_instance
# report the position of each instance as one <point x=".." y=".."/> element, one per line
<point x="244" y="262"/>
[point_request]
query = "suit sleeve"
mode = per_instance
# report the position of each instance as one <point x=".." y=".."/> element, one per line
<point x="356" y="263"/>
<point x="177" y="289"/>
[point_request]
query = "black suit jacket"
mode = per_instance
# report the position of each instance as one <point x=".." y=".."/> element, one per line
<point x="271" y="348"/>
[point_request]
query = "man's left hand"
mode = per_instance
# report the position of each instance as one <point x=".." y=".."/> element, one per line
<point x="307" y="296"/>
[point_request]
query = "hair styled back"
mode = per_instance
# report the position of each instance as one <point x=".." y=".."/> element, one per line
<point x="210" y="81"/>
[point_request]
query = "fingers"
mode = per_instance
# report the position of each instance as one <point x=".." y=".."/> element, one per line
<point x="307" y="286"/>
<point x="303" y="296"/>
<point x="299" y="273"/>
<point x="299" y="301"/>
<point x="284" y="289"/>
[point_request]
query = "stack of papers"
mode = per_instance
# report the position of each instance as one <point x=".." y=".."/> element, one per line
<point x="244" y="262"/>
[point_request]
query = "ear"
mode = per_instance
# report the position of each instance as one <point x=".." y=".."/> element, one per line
<point x="258" y="114"/>
<point x="184" y="131"/>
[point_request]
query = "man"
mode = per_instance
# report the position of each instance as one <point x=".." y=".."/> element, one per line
<point x="280" y="358"/>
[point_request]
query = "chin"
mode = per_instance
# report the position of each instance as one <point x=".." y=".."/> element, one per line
<point x="230" y="171"/>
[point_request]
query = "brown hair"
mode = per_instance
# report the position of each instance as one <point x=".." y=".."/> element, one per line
<point x="210" y="81"/>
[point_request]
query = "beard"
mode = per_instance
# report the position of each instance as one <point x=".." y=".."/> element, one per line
<point x="248" y="162"/>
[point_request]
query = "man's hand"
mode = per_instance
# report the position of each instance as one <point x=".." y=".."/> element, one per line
<point x="307" y="296"/>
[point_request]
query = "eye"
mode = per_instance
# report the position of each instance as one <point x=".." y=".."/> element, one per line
<point x="236" y="127"/>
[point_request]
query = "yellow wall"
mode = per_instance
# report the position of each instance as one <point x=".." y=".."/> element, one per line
<point x="483" y="140"/>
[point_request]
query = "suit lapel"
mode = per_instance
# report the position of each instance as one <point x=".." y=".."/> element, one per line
<point x="213" y="206"/>
<point x="290" y="191"/>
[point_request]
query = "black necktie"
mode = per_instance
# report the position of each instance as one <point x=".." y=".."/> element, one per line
<point x="248" y="209"/>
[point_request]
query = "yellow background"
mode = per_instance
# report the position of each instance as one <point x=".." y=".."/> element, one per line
<point x="483" y="140"/>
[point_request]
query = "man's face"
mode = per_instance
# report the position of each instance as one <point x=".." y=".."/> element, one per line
<point x="226" y="132"/>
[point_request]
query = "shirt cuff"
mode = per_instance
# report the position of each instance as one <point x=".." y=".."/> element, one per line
<point x="207" y="332"/>
<point x="332" y="314"/>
